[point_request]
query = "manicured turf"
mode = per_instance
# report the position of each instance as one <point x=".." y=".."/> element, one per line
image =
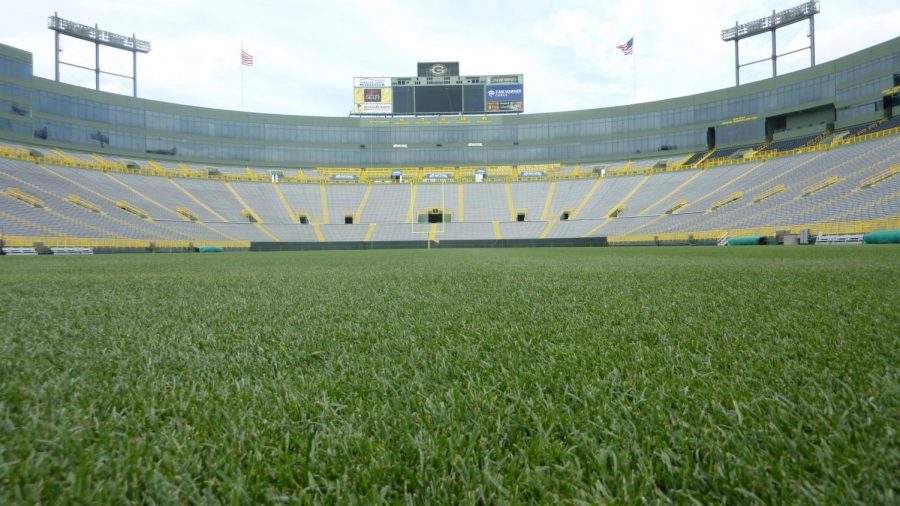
<point x="737" y="375"/>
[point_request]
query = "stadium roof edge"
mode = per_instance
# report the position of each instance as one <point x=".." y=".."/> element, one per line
<point x="15" y="53"/>
<point x="825" y="68"/>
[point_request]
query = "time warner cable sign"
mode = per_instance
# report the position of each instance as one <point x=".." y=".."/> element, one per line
<point x="504" y="97"/>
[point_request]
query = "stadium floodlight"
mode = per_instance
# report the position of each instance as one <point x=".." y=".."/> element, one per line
<point x="777" y="20"/>
<point x="99" y="37"/>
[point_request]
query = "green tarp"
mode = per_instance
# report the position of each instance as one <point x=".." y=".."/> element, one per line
<point x="750" y="240"/>
<point x="210" y="249"/>
<point x="882" y="237"/>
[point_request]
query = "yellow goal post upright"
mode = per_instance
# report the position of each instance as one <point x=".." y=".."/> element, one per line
<point x="427" y="228"/>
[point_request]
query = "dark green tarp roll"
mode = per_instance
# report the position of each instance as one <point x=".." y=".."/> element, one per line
<point x="882" y="237"/>
<point x="750" y="240"/>
<point x="210" y="249"/>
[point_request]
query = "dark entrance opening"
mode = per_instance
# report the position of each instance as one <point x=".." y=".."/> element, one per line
<point x="348" y="219"/>
<point x="710" y="138"/>
<point x="890" y="100"/>
<point x="565" y="216"/>
<point x="304" y="220"/>
<point x="435" y="216"/>
<point x="774" y="125"/>
<point x="520" y="216"/>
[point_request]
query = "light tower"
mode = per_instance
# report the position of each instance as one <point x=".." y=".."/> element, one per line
<point x="99" y="38"/>
<point x="770" y="24"/>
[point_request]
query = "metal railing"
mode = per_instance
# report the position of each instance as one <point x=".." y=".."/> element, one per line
<point x="116" y="243"/>
<point x="419" y="174"/>
<point x="824" y="228"/>
<point x="827" y="228"/>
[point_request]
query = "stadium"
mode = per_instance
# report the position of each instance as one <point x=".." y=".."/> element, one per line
<point x="514" y="351"/>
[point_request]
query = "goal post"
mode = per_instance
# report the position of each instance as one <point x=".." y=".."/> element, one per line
<point x="435" y="217"/>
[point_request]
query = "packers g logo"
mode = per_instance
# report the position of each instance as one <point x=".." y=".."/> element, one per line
<point x="438" y="69"/>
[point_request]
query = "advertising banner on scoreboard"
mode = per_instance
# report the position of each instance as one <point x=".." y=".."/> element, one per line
<point x="369" y="99"/>
<point x="372" y="96"/>
<point x="507" y="79"/>
<point x="504" y="93"/>
<point x="373" y="109"/>
<point x="504" y="97"/>
<point x="371" y="82"/>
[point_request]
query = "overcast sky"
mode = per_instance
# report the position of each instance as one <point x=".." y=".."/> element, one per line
<point x="307" y="52"/>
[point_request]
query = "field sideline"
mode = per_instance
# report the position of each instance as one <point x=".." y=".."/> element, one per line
<point x="739" y="375"/>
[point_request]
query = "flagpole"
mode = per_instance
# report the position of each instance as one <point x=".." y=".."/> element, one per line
<point x="633" y="70"/>
<point x="242" y="75"/>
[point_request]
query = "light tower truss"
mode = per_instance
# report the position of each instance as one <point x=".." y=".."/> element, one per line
<point x="99" y="37"/>
<point x="772" y="23"/>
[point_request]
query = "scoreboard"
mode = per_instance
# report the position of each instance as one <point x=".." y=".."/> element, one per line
<point x="438" y="89"/>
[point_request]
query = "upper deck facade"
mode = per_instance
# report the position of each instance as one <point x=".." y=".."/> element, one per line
<point x="844" y="92"/>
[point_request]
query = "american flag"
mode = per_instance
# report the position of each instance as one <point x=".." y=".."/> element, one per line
<point x="628" y="47"/>
<point x="246" y="58"/>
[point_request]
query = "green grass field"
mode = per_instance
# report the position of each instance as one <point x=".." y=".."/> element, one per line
<point x="624" y="375"/>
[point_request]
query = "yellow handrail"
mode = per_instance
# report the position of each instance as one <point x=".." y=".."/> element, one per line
<point x="502" y="173"/>
<point x="821" y="185"/>
<point x="881" y="176"/>
<point x="87" y="204"/>
<point x="676" y="206"/>
<point x="103" y="242"/>
<point x="137" y="211"/>
<point x="24" y="197"/>
<point x="727" y="200"/>
<point x="768" y="193"/>
<point x="840" y="227"/>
